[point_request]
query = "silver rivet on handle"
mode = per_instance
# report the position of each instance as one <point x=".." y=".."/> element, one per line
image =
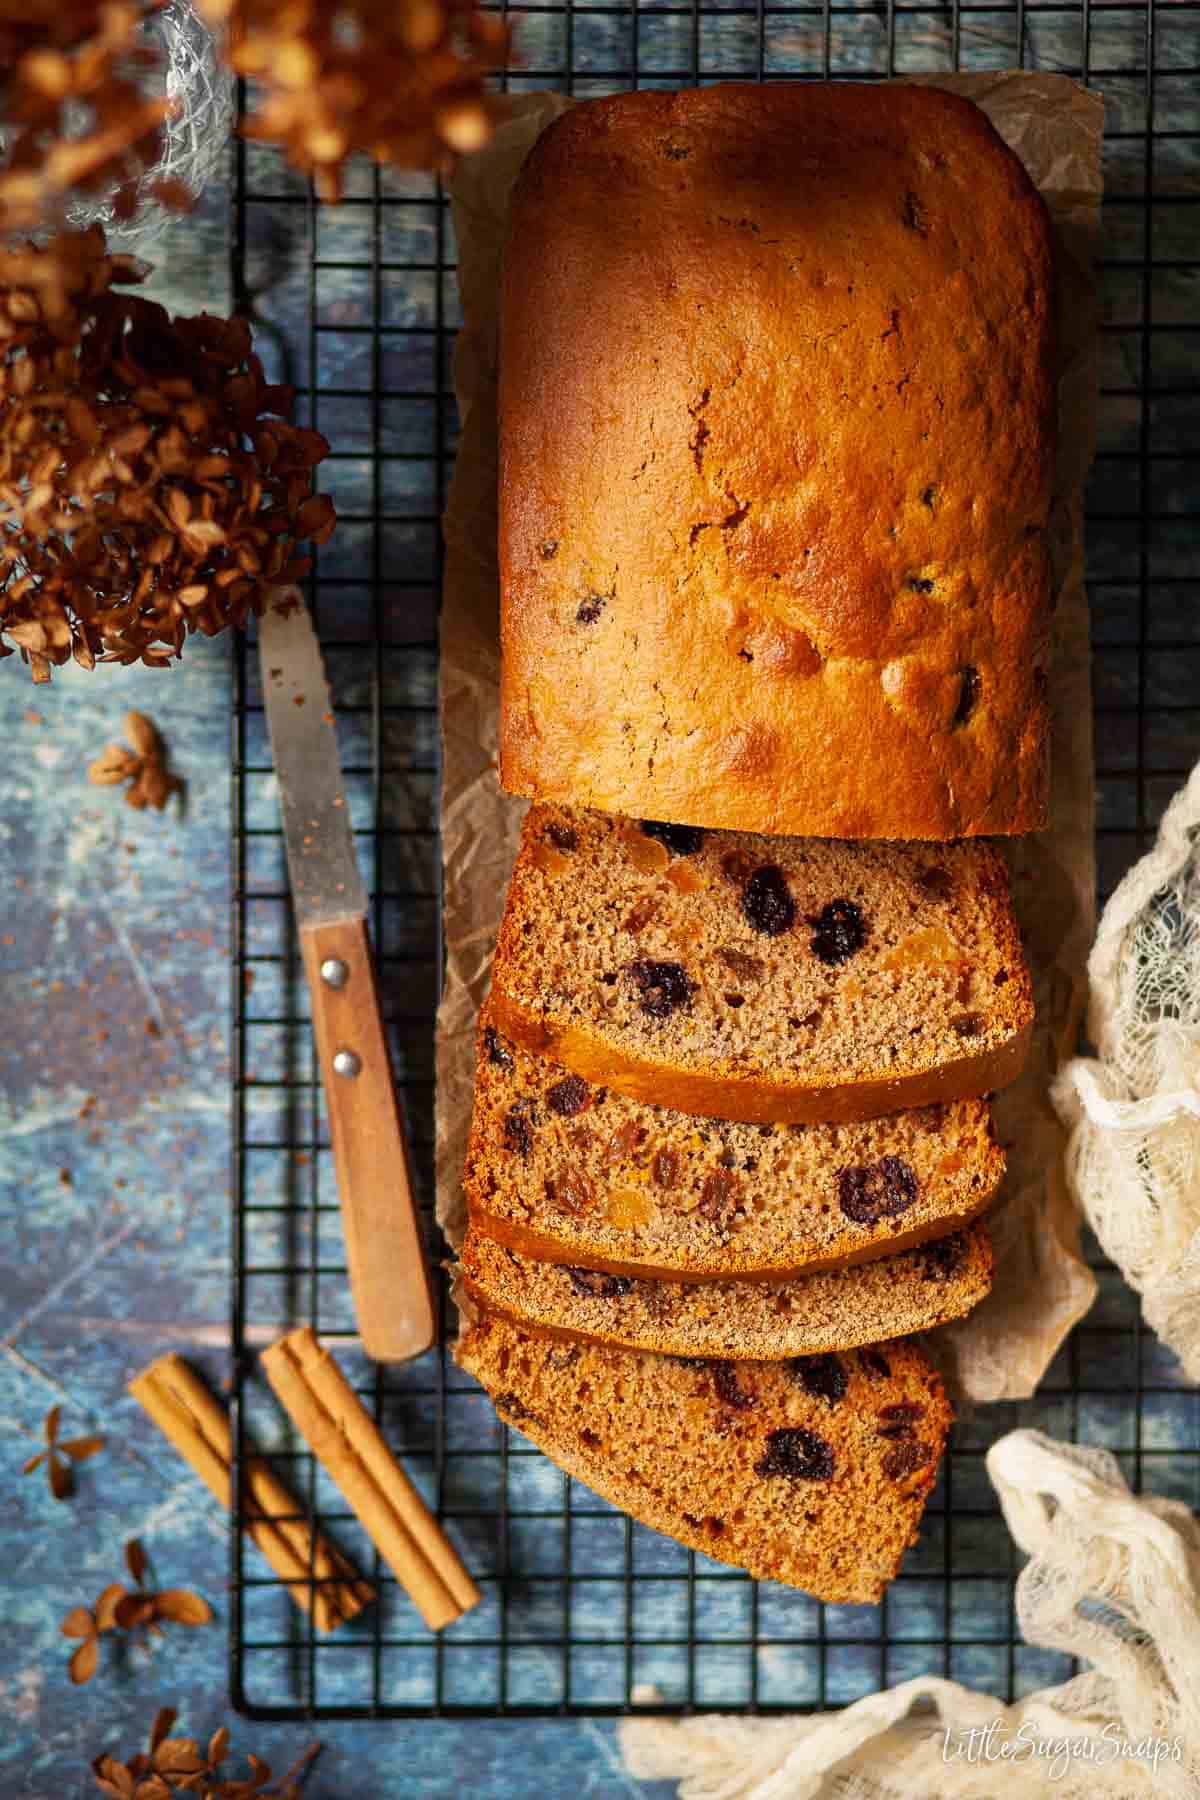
<point x="345" y="1062"/>
<point x="334" y="972"/>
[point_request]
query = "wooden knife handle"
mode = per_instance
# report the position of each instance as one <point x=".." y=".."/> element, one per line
<point x="389" y="1276"/>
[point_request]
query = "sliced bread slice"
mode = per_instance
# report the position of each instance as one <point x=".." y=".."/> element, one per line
<point x="574" y="1173"/>
<point x="767" y="979"/>
<point x="813" y="1473"/>
<point x="837" y="1309"/>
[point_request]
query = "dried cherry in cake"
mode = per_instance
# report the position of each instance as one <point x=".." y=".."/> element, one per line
<point x="568" y="1096"/>
<point x="824" y="1377"/>
<point x="875" y="1365"/>
<point x="767" y="902"/>
<point x="519" y="1123"/>
<point x="666" y="1167"/>
<point x="719" y="1197"/>
<point x="563" y="837"/>
<point x="729" y="1389"/>
<point x="899" y="1421"/>
<point x="596" y="1284"/>
<point x="571" y="1191"/>
<point x="868" y="1192"/>
<point x="839" y="932"/>
<point x="797" y="1453"/>
<point x="663" y="987"/>
<point x="906" y="1457"/>
<point x="498" y="1052"/>
<point x="680" y="840"/>
<point x="941" y="1261"/>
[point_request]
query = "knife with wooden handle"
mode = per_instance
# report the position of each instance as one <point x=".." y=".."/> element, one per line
<point x="389" y="1276"/>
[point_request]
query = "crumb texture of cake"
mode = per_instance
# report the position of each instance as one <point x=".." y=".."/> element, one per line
<point x="813" y="1472"/>
<point x="570" y="1171"/>
<point x="765" y="979"/>
<point x="777" y="434"/>
<point x="835" y="1309"/>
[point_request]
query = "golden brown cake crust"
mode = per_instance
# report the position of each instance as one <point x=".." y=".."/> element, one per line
<point x="777" y="429"/>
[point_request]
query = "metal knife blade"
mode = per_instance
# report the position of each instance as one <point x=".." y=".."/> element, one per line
<point x="326" y="882"/>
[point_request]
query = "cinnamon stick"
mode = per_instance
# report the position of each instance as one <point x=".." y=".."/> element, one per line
<point x="329" y="1415"/>
<point x="318" y="1577"/>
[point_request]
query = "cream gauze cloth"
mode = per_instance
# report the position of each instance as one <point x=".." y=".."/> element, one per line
<point x="1133" y="1159"/>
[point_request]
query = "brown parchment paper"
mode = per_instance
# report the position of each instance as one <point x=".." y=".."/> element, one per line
<point x="1042" y="1284"/>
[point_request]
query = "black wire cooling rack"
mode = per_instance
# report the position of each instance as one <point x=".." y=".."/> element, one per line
<point x="584" y="1611"/>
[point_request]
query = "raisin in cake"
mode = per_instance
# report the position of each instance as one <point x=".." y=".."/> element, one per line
<point x="758" y="978"/>
<point x="573" y="1172"/>
<point x="835" y="1309"/>
<point x="813" y="1473"/>
<point x="777" y="423"/>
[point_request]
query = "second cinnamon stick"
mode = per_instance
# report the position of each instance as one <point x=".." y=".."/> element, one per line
<point x="341" y="1433"/>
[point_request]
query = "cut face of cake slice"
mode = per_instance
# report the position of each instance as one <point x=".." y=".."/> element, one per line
<point x="814" y="1472"/>
<point x="762" y="979"/>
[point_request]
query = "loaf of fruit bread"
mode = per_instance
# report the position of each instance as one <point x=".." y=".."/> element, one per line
<point x="835" y="1309"/>
<point x="777" y="422"/>
<point x="571" y="1172"/>
<point x="812" y="1472"/>
<point x="765" y="979"/>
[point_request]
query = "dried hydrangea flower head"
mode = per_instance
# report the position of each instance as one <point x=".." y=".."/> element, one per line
<point x="150" y="484"/>
<point x="400" y="80"/>
<point x="64" y="64"/>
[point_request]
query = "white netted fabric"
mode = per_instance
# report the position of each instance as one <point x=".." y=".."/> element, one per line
<point x="1111" y="1579"/>
<point x="1133" y="1158"/>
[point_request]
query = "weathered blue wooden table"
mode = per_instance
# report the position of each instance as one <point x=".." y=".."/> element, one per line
<point x="115" y="969"/>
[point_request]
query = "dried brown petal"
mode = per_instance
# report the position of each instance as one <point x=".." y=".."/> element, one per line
<point x="135" y="1559"/>
<point x="79" y="1449"/>
<point x="132" y="1610"/>
<point x="82" y="1665"/>
<point x="182" y="1607"/>
<point x="175" y="195"/>
<point x="114" y="764"/>
<point x="152" y="1787"/>
<point x="142" y="734"/>
<point x="112" y="1777"/>
<point x="34" y="1462"/>
<point x="78" y="1623"/>
<point x="178" y="1756"/>
<point x="62" y="1482"/>
<point x="218" y="1746"/>
<point x="106" y="1606"/>
<point x="51" y="1424"/>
